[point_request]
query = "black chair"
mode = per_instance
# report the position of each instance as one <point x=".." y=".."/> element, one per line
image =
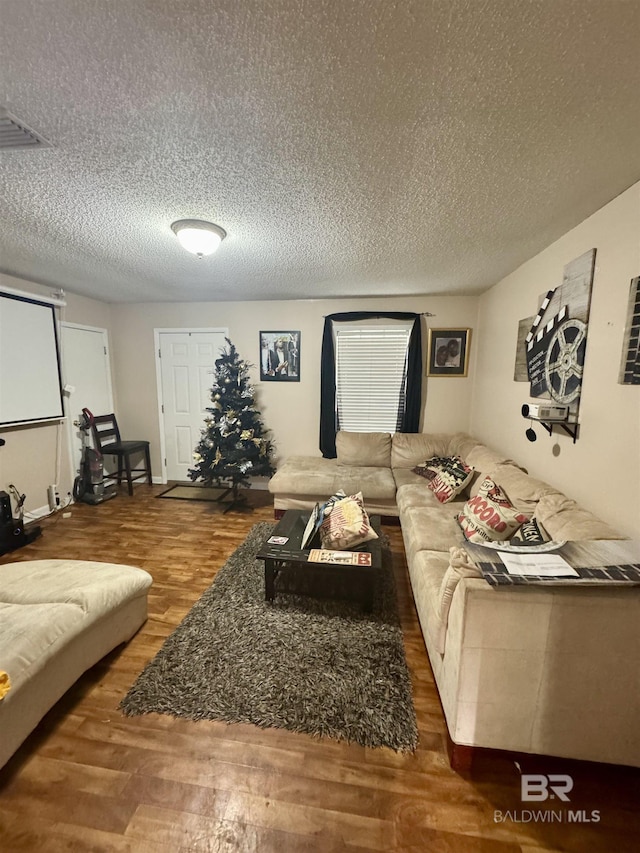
<point x="106" y="437"/>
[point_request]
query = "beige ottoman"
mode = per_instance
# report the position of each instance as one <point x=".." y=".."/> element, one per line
<point x="57" y="619"/>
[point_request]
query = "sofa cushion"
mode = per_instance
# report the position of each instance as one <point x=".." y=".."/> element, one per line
<point x="93" y="588"/>
<point x="461" y="444"/>
<point x="406" y="477"/>
<point x="364" y="449"/>
<point x="524" y="490"/>
<point x="484" y="461"/>
<point x="429" y="529"/>
<point x="305" y="475"/>
<point x="372" y="482"/>
<point x="409" y="449"/>
<point x="415" y="493"/>
<point x="490" y="516"/>
<point x="564" y="519"/>
<point x="427" y="571"/>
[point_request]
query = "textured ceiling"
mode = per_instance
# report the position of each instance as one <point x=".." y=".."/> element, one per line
<point x="348" y="147"/>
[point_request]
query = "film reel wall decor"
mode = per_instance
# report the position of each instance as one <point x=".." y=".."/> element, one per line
<point x="555" y="346"/>
<point x="564" y="361"/>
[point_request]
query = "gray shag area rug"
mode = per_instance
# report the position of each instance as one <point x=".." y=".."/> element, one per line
<point x="309" y="665"/>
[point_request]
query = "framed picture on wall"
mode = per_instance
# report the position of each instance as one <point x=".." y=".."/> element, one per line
<point x="448" y="352"/>
<point x="630" y="367"/>
<point x="279" y="356"/>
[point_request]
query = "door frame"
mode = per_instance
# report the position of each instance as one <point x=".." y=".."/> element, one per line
<point x="156" y="342"/>
<point x="71" y="427"/>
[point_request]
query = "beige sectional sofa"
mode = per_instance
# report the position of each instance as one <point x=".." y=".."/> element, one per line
<point x="539" y="669"/>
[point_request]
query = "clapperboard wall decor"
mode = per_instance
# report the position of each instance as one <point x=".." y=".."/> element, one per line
<point x="552" y="344"/>
<point x="630" y="367"/>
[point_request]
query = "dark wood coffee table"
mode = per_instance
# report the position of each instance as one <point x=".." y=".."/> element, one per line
<point x="328" y="580"/>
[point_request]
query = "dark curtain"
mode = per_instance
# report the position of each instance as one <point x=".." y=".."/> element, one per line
<point x="409" y="408"/>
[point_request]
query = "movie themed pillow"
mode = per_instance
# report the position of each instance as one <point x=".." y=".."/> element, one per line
<point x="447" y="476"/>
<point x="531" y="533"/>
<point x="346" y="524"/>
<point x="490" y="516"/>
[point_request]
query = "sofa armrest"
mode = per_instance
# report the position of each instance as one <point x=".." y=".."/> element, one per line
<point x="547" y="670"/>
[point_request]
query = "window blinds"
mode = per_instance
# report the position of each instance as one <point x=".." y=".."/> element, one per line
<point x="371" y="377"/>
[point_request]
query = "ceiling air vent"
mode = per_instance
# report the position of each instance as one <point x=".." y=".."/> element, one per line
<point x="15" y="134"/>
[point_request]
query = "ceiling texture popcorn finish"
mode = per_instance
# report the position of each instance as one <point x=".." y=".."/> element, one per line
<point x="347" y="147"/>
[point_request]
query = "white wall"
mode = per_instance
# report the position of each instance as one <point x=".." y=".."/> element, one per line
<point x="291" y="410"/>
<point x="35" y="456"/>
<point x="602" y="469"/>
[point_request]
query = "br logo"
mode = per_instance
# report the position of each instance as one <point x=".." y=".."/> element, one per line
<point x="536" y="787"/>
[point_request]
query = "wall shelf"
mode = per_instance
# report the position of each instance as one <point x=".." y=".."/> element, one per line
<point x="569" y="428"/>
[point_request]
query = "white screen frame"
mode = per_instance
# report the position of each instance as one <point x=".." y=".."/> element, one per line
<point x="30" y="374"/>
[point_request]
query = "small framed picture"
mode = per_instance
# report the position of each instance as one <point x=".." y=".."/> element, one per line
<point x="279" y="356"/>
<point x="448" y="352"/>
<point x="630" y="366"/>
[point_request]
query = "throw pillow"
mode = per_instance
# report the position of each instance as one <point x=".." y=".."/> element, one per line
<point x="430" y="468"/>
<point x="531" y="533"/>
<point x="451" y="479"/>
<point x="447" y="476"/>
<point x="424" y="471"/>
<point x="490" y="516"/>
<point x="346" y="524"/>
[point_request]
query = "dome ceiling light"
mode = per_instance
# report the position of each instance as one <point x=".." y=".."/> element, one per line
<point x="197" y="236"/>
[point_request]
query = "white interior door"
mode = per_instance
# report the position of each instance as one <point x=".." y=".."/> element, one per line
<point x="87" y="376"/>
<point x="187" y="366"/>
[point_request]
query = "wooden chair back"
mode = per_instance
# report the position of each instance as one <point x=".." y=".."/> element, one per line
<point x="105" y="430"/>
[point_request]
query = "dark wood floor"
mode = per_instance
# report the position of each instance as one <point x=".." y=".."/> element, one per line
<point x="91" y="779"/>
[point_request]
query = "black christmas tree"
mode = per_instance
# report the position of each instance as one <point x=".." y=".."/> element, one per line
<point x="233" y="446"/>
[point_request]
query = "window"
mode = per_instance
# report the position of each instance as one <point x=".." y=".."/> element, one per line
<point x="387" y="345"/>
<point x="371" y="375"/>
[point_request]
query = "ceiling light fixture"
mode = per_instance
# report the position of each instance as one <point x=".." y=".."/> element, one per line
<point x="199" y="237"/>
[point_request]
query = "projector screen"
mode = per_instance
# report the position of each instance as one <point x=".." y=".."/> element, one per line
<point x="30" y="387"/>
